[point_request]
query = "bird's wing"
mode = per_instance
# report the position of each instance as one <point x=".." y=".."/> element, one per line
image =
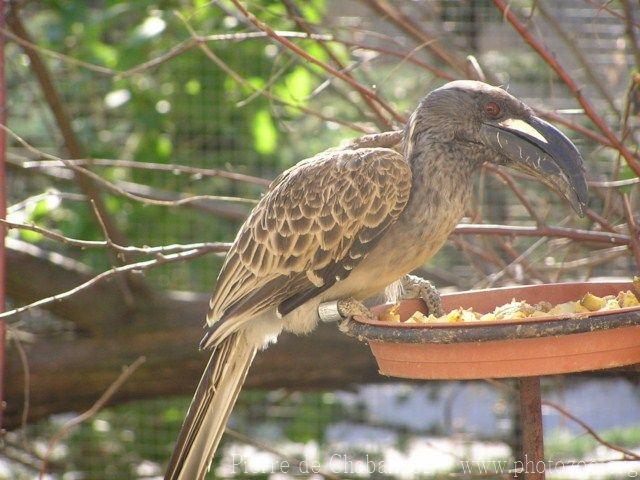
<point x="317" y="221"/>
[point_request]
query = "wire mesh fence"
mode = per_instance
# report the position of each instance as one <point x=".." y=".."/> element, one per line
<point x="261" y="112"/>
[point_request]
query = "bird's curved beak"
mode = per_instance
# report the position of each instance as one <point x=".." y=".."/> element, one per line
<point x="538" y="148"/>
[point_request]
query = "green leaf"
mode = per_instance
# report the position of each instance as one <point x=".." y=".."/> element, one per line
<point x="164" y="147"/>
<point x="265" y="135"/>
<point x="31" y="237"/>
<point x="193" y="87"/>
<point x="296" y="86"/>
<point x="104" y="53"/>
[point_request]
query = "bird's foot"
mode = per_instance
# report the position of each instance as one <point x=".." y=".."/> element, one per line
<point x="417" y="287"/>
<point x="342" y="310"/>
<point x="350" y="307"/>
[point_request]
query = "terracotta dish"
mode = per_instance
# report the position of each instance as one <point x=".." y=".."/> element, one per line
<point x="513" y="348"/>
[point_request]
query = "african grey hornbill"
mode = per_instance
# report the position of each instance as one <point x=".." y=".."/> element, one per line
<point x="347" y="223"/>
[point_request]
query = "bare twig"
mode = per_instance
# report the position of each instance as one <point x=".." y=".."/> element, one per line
<point x="546" y="231"/>
<point x="132" y="267"/>
<point x="564" y="412"/>
<point x="59" y="111"/>
<point x="163" y="249"/>
<point x="159" y="167"/>
<point x="95" y="408"/>
<point x="605" y="7"/>
<point x="329" y="69"/>
<point x="578" y="54"/>
<point x="630" y="31"/>
<point x="553" y="62"/>
<point x="307" y="28"/>
<point x="417" y="33"/>
<point x="634" y="233"/>
<point x="113" y="188"/>
<point x="510" y="182"/>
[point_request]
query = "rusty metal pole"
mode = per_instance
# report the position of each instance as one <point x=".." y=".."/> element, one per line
<point x="533" y="461"/>
<point x="3" y="209"/>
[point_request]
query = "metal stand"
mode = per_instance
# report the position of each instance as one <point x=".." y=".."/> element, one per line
<point x="533" y="463"/>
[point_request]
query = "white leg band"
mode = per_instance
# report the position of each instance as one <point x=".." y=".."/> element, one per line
<point x="328" y="312"/>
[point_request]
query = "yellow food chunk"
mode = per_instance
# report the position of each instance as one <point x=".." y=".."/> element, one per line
<point x="542" y="306"/>
<point x="454" y="316"/>
<point x="390" y="315"/>
<point x="468" y="316"/>
<point x="592" y="302"/>
<point x="432" y="319"/>
<point x="513" y="311"/>
<point x="418" y="317"/>
<point x="612" y="304"/>
<point x="518" y="310"/>
<point x="627" y="299"/>
<point x="567" y="308"/>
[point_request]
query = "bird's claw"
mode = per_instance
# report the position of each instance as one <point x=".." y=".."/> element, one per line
<point x="417" y="287"/>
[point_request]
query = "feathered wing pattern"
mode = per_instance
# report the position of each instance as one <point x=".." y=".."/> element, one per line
<point x="317" y="221"/>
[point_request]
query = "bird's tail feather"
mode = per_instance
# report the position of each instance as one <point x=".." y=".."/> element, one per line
<point x="210" y="409"/>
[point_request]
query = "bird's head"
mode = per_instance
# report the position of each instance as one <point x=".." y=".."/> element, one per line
<point x="502" y="130"/>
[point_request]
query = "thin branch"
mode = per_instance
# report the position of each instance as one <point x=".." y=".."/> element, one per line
<point x="95" y="408"/>
<point x="240" y="80"/>
<point x="578" y="54"/>
<point x="159" y="167"/>
<point x="329" y="69"/>
<point x="163" y="249"/>
<point x="132" y="267"/>
<point x="614" y="183"/>
<point x="413" y="30"/>
<point x="634" y="232"/>
<point x="563" y="411"/>
<point x="59" y="111"/>
<point x="630" y="31"/>
<point x="605" y="7"/>
<point x="116" y="189"/>
<point x="553" y="62"/>
<point x="22" y="204"/>
<point x="510" y="182"/>
<point x="546" y="231"/>
<point x="306" y="27"/>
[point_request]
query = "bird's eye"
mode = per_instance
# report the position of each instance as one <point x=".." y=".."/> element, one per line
<point x="492" y="109"/>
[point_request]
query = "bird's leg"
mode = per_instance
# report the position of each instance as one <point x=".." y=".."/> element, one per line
<point x="417" y="287"/>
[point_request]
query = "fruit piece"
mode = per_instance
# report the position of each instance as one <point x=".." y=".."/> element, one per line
<point x="468" y="315"/>
<point x="391" y="315"/>
<point x="612" y="304"/>
<point x="567" y="309"/>
<point x="627" y="299"/>
<point x="432" y="319"/>
<point x="542" y="306"/>
<point x="636" y="284"/>
<point x="513" y="311"/>
<point x="454" y="316"/>
<point x="488" y="317"/>
<point x="418" y="317"/>
<point x="538" y="313"/>
<point x="592" y="302"/>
